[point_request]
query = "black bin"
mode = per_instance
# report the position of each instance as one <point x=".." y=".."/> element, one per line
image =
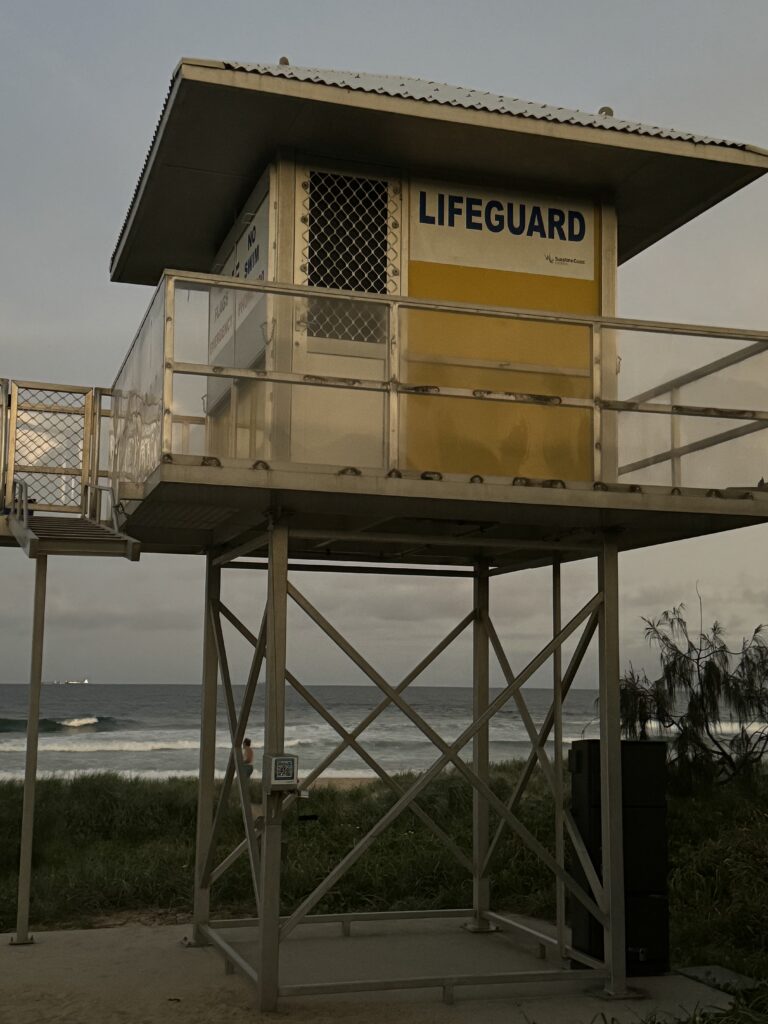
<point x="644" y="801"/>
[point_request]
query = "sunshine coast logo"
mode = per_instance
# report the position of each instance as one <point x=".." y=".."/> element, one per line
<point x="560" y="260"/>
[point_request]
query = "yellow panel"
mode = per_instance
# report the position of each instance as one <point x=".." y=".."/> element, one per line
<point x="455" y="435"/>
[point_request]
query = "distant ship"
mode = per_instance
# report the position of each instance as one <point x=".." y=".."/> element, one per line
<point x="66" y="682"/>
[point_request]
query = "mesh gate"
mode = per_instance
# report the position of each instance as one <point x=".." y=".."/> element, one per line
<point x="49" y="444"/>
<point x="349" y="240"/>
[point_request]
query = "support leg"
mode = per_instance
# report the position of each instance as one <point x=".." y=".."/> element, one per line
<point x="274" y="741"/>
<point x="480" y="753"/>
<point x="22" y="936"/>
<point x="557" y="708"/>
<point x="610" y="769"/>
<point x="205" y="785"/>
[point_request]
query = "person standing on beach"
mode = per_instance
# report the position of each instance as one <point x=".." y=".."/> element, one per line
<point x="248" y="757"/>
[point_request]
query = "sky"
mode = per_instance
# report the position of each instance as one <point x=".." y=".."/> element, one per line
<point x="81" y="87"/>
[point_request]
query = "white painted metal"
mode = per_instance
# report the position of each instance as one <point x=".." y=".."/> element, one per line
<point x="22" y="936"/>
<point x="207" y="762"/>
<point x="558" y="767"/>
<point x="274" y="740"/>
<point x="481" y="895"/>
<point x="610" y="769"/>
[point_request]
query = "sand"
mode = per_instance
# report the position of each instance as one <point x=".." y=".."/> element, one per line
<point x="139" y="974"/>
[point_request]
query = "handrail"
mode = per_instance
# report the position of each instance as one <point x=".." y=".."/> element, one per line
<point x="106" y="489"/>
<point x="469" y="308"/>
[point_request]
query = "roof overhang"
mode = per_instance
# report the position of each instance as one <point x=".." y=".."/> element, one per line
<point x="221" y="126"/>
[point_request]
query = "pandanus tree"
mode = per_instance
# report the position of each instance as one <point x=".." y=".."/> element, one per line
<point x="710" y="702"/>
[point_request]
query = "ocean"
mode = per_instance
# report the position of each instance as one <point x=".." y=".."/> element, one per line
<point x="152" y="730"/>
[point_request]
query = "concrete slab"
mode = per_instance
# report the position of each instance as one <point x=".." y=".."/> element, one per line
<point x="139" y="974"/>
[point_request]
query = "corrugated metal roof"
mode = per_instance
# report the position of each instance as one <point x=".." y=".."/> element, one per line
<point x="470" y="99"/>
<point x="402" y="87"/>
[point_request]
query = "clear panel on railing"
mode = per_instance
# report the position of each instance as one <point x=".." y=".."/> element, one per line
<point x="282" y="424"/>
<point x="671" y="369"/>
<point x="495" y="438"/>
<point x="137" y="404"/>
<point x="482" y="353"/>
<point x="690" y="451"/>
<point x="243" y="328"/>
<point x="222" y="326"/>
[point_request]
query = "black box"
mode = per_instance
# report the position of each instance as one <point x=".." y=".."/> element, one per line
<point x="643" y="767"/>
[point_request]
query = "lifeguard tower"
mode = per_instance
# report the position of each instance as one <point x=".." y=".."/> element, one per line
<point x="383" y="339"/>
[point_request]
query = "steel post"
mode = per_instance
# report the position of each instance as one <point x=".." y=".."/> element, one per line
<point x="480" y="751"/>
<point x="207" y="762"/>
<point x="22" y="936"/>
<point x="610" y="769"/>
<point x="274" y="740"/>
<point x="557" y="709"/>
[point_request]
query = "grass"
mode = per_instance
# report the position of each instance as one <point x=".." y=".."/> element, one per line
<point x="107" y="845"/>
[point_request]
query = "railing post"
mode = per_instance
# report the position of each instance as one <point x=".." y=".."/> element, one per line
<point x="392" y="454"/>
<point x="11" y="443"/>
<point x="4" y="414"/>
<point x="22" y="936"/>
<point x="166" y="446"/>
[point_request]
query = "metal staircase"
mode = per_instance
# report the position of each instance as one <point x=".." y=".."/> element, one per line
<point x="50" y="453"/>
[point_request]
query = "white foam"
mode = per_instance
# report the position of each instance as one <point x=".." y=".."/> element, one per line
<point x="95" y="743"/>
<point x="74" y="723"/>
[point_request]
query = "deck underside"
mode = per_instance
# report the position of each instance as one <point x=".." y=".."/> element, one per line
<point x="188" y="509"/>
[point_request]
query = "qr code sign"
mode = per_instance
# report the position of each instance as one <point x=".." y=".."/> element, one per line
<point x="284" y="769"/>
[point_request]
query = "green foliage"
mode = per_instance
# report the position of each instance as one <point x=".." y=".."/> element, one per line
<point x="106" y="844"/>
<point x="702" y="682"/>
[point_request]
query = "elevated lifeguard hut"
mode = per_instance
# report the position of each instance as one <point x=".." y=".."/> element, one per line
<point x="383" y="339"/>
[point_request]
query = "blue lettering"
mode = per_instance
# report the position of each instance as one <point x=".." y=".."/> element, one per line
<point x="556" y="222"/>
<point x="536" y="223"/>
<point x="515" y="229"/>
<point x="251" y="262"/>
<point x="577" y="227"/>
<point x="424" y="217"/>
<point x="455" y="204"/>
<point x="474" y="210"/>
<point x="494" y="215"/>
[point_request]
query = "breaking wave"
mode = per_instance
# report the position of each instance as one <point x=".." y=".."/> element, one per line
<point x="86" y="723"/>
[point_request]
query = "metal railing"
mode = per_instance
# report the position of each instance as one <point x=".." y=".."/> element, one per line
<point x="4" y="393"/>
<point x="52" y="455"/>
<point x="688" y="398"/>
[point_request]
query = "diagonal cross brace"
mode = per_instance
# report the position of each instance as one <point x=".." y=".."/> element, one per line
<point x="576" y="659"/>
<point x="546" y="766"/>
<point x="449" y="754"/>
<point x="384" y="704"/>
<point x="242" y="781"/>
<point x="383" y="775"/>
<point x="260" y="642"/>
<point x="369" y="718"/>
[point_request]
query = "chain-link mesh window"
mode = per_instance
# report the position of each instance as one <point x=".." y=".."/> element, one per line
<point x="50" y="435"/>
<point x="350" y="241"/>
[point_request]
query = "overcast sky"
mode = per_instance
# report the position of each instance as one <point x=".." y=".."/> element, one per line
<point x="81" y="87"/>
